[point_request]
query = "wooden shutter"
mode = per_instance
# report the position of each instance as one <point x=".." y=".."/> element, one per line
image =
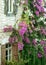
<point x="5" y="7"/>
<point x="15" y="7"/>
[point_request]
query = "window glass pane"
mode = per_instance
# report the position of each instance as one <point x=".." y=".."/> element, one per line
<point x="6" y="57"/>
<point x="9" y="45"/>
<point x="9" y="51"/>
<point x="10" y="57"/>
<point x="6" y="52"/>
<point x="6" y="45"/>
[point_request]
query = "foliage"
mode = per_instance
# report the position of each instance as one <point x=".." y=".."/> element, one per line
<point x="31" y="35"/>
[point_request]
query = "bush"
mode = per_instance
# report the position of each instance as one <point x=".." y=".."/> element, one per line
<point x="11" y="63"/>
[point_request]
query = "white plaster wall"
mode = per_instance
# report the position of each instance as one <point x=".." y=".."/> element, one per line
<point x="7" y="20"/>
<point x="0" y="54"/>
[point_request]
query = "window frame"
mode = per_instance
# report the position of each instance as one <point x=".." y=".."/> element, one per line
<point x="14" y="8"/>
<point x="8" y="51"/>
<point x="10" y="6"/>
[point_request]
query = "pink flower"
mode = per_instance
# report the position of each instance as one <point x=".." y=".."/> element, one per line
<point x="5" y="29"/>
<point x="45" y="50"/>
<point x="8" y="29"/>
<point x="20" y="46"/>
<point x="38" y="7"/>
<point x="12" y="39"/>
<point x="37" y="13"/>
<point x="27" y="40"/>
<point x="23" y="28"/>
<point x="22" y="31"/>
<point x="30" y="31"/>
<point x="42" y="9"/>
<point x="39" y="1"/>
<point x="23" y="24"/>
<point x="39" y="55"/>
<point x="43" y="30"/>
<point x="42" y="42"/>
<point x="34" y="41"/>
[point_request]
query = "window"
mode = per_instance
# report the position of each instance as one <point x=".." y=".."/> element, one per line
<point x="10" y="7"/>
<point x="8" y="52"/>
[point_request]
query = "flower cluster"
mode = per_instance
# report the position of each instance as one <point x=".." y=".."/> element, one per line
<point x="39" y="55"/>
<point x="23" y="28"/>
<point x="42" y="42"/>
<point x="38" y="6"/>
<point x="34" y="42"/>
<point x="43" y="30"/>
<point x="8" y="29"/>
<point x="12" y="39"/>
<point x="20" y="46"/>
<point x="45" y="50"/>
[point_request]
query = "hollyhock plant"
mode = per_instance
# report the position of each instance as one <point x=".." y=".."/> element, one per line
<point x="8" y="29"/>
<point x="45" y="50"/>
<point x="5" y="29"/>
<point x="39" y="55"/>
<point x="39" y="1"/>
<point x="42" y="42"/>
<point x="30" y="31"/>
<point x="23" y="24"/>
<point x="43" y="30"/>
<point x="27" y="40"/>
<point x="37" y="13"/>
<point x="12" y="39"/>
<point x="40" y="8"/>
<point x="34" y="41"/>
<point x="22" y="31"/>
<point x="20" y="46"/>
<point x="31" y="35"/>
<point x="23" y="28"/>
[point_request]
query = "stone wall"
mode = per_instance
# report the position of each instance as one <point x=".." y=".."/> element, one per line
<point x="3" y="55"/>
<point x="14" y="52"/>
<point x="0" y="54"/>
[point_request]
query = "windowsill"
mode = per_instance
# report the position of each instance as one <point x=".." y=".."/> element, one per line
<point x="10" y="15"/>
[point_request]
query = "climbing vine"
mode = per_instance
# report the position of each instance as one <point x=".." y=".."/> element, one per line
<point x="31" y="34"/>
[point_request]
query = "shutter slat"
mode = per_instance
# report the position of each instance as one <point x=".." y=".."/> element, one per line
<point x="5" y="7"/>
<point x="15" y="7"/>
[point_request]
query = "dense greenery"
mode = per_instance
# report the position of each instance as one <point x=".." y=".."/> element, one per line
<point x="31" y="35"/>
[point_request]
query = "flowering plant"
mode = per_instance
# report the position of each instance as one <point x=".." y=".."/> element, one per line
<point x="31" y="34"/>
